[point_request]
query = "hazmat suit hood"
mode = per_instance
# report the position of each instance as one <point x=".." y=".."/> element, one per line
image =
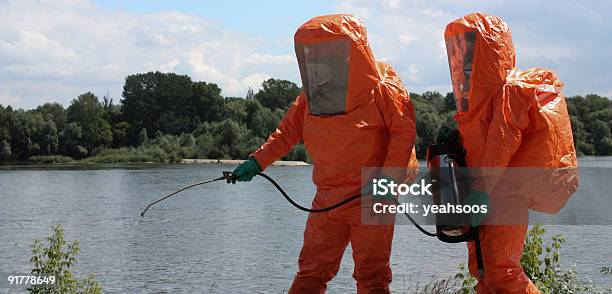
<point x="480" y="54"/>
<point x="336" y="63"/>
<point x="352" y="112"/>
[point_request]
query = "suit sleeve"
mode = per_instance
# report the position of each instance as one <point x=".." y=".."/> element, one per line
<point x="287" y="134"/>
<point x="398" y="115"/>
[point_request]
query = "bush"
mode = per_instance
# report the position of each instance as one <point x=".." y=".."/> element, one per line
<point x="163" y="149"/>
<point x="542" y="264"/>
<point x="55" y="259"/>
<point x="48" y="159"/>
<point x="128" y="154"/>
<point x="468" y="283"/>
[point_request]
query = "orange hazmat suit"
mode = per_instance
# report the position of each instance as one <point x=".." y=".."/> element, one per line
<point x="507" y="119"/>
<point x="353" y="112"/>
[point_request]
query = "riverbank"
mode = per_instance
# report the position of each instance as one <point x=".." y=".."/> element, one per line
<point x="237" y="161"/>
<point x="65" y="160"/>
<point x="134" y="156"/>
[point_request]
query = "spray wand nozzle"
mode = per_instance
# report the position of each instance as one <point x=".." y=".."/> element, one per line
<point x="229" y="177"/>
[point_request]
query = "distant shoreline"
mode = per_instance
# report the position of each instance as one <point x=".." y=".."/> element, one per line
<point x="66" y="161"/>
<point x="238" y="161"/>
<point x="202" y="161"/>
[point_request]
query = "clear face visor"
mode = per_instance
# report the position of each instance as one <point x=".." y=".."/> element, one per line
<point x="324" y="72"/>
<point x="460" y="50"/>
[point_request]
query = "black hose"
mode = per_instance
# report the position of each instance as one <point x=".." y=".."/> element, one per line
<point x="312" y="210"/>
<point x="415" y="223"/>
<point x="345" y="201"/>
<point x="230" y="178"/>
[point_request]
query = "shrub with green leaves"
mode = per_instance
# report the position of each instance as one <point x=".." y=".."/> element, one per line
<point x="468" y="282"/>
<point x="49" y="159"/>
<point x="55" y="258"/>
<point x="541" y="262"/>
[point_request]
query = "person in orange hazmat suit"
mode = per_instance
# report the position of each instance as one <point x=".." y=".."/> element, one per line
<point x="507" y="119"/>
<point x="353" y="112"/>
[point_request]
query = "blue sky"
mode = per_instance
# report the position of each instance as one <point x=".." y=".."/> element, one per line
<point x="55" y="50"/>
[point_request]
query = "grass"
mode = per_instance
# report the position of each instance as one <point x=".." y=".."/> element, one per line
<point x="131" y="154"/>
<point x="142" y="154"/>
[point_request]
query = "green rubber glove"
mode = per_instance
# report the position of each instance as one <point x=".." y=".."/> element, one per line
<point x="447" y="135"/>
<point x="477" y="198"/>
<point x="247" y="170"/>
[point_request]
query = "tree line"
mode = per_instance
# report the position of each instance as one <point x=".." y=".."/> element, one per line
<point x="163" y="117"/>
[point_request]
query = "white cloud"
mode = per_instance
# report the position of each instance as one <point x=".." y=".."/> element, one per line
<point x="257" y="58"/>
<point x="391" y="4"/>
<point x="407" y="38"/>
<point x="347" y="6"/>
<point x="7" y="98"/>
<point x="554" y="52"/>
<point x="53" y="50"/>
<point x="31" y="45"/>
<point x="411" y="36"/>
<point x="202" y="67"/>
<point x="412" y="75"/>
<point x="433" y="12"/>
<point x="254" y="80"/>
<point x="169" y="66"/>
<point x="65" y="47"/>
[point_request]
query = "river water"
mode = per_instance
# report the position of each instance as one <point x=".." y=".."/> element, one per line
<point x="219" y="238"/>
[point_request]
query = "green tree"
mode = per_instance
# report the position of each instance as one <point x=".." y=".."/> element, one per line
<point x="263" y="122"/>
<point x="206" y="147"/>
<point x="225" y="139"/>
<point x="599" y="133"/>
<point x="605" y="146"/>
<point x="277" y="93"/>
<point x="591" y="124"/>
<point x="20" y="134"/>
<point x="5" y="135"/>
<point x="427" y="128"/>
<point x="5" y="150"/>
<point x="450" y="104"/>
<point x="210" y="103"/>
<point x="143" y="138"/>
<point x="70" y="140"/>
<point x="48" y="138"/>
<point x="120" y="134"/>
<point x="436" y="100"/>
<point x="89" y="113"/>
<point x="55" y="112"/>
<point x="236" y="110"/>
<point x="187" y="140"/>
<point x="165" y="102"/>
